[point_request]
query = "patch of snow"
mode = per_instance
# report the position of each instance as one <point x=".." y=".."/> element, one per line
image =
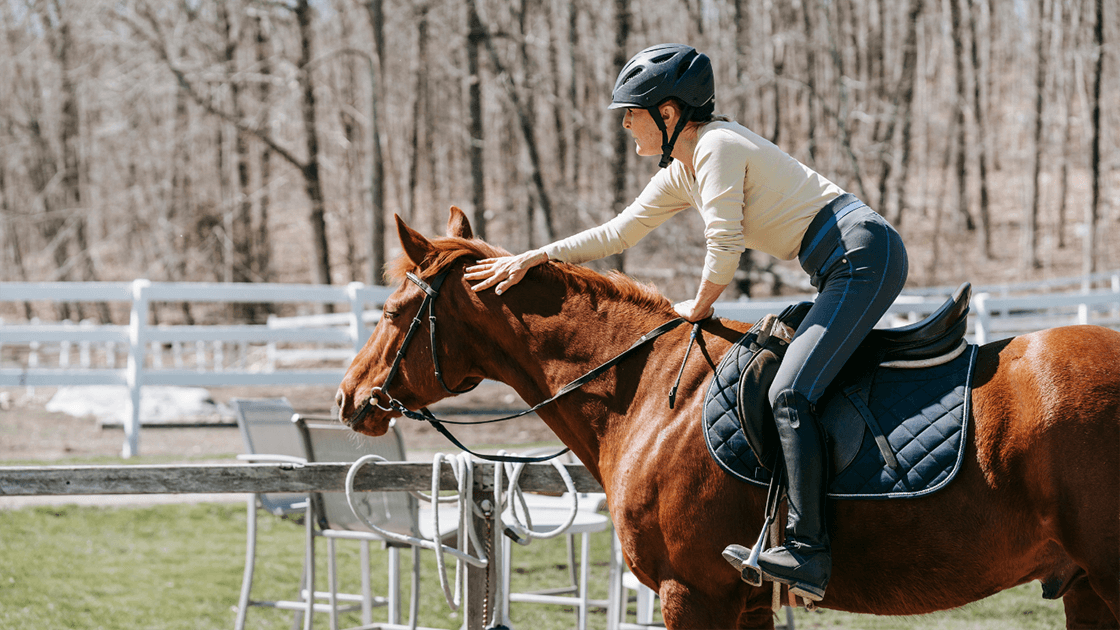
<point x="112" y="404"/>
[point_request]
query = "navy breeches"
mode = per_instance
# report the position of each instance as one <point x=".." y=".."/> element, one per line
<point x="858" y="264"/>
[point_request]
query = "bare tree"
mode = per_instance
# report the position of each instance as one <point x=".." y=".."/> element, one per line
<point x="622" y="142"/>
<point x="475" y="40"/>
<point x="961" y="159"/>
<point x="1030" y="221"/>
<point x="1092" y="211"/>
<point x="981" y="132"/>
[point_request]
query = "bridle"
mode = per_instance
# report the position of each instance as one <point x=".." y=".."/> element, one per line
<point x="431" y="292"/>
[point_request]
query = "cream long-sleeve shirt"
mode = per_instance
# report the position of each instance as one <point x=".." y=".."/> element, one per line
<point x="751" y="194"/>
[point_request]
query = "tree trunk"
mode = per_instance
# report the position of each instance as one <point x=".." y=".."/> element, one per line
<point x="320" y="260"/>
<point x="622" y="141"/>
<point x="71" y="139"/>
<point x="560" y="115"/>
<point x="1092" y="212"/>
<point x="743" y="56"/>
<point x="419" y="106"/>
<point x="961" y="159"/>
<point x="375" y="10"/>
<point x="262" y="245"/>
<point x="910" y="81"/>
<point x="525" y="122"/>
<point x="578" y="124"/>
<point x="903" y="113"/>
<point x="810" y="82"/>
<point x="1030" y="222"/>
<point x="981" y="134"/>
<point x="475" y="37"/>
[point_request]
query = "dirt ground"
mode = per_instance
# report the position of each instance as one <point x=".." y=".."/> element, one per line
<point x="30" y="433"/>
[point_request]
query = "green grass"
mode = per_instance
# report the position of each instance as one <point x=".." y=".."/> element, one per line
<point x="179" y="566"/>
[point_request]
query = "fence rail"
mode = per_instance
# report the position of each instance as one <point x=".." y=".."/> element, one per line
<point x="257" y="478"/>
<point x="295" y="350"/>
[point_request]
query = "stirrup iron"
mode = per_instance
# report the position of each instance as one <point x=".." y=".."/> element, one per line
<point x="751" y="573"/>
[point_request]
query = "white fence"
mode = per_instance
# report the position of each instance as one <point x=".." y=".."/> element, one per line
<point x="995" y="313"/>
<point x="144" y="344"/>
<point x="278" y="353"/>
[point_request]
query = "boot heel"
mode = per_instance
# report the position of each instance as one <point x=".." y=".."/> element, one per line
<point x="807" y="592"/>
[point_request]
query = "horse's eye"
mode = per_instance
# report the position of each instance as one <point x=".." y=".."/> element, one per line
<point x="389" y="315"/>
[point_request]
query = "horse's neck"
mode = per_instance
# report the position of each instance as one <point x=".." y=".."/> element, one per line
<point x="589" y="337"/>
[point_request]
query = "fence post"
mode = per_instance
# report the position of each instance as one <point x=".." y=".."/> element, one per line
<point x="137" y="321"/>
<point x="482" y="582"/>
<point x="1116" y="289"/>
<point x="983" y="318"/>
<point x="357" y="326"/>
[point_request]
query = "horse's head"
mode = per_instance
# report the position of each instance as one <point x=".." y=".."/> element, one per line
<point x="396" y="366"/>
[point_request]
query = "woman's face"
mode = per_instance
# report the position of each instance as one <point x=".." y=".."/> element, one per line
<point x="646" y="134"/>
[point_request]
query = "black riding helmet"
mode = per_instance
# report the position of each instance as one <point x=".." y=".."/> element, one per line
<point x="662" y="72"/>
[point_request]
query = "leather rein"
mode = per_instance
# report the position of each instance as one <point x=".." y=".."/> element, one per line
<point x="431" y="292"/>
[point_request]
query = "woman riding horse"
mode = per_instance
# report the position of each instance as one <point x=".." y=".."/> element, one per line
<point x="751" y="195"/>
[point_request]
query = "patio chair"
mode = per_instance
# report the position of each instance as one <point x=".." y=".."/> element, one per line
<point x="273" y="432"/>
<point x="548" y="512"/>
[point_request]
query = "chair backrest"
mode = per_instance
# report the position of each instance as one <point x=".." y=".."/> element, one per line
<point x="267" y="429"/>
<point x="393" y="511"/>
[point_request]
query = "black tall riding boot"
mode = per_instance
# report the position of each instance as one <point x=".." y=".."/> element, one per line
<point x="804" y="562"/>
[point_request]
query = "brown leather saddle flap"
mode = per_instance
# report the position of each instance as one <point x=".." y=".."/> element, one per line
<point x="773" y="334"/>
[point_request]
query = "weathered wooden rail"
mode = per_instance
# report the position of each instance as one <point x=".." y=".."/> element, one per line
<point x="310" y="477"/>
<point x="245" y="478"/>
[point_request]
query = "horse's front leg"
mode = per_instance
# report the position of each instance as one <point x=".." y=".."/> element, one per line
<point x="684" y="607"/>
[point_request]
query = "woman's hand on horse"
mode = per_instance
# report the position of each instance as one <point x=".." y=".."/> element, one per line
<point x="690" y="311"/>
<point x="505" y="271"/>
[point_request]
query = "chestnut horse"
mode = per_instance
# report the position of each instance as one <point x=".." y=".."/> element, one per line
<point x="1037" y="497"/>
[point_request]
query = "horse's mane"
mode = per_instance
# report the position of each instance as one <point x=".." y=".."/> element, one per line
<point x="614" y="285"/>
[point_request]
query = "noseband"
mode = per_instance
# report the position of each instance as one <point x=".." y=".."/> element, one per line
<point x="431" y="292"/>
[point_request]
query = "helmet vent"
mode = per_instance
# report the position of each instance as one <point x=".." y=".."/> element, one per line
<point x="663" y="58"/>
<point x="633" y="73"/>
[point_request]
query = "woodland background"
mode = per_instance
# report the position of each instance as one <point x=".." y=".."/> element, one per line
<point x="272" y="141"/>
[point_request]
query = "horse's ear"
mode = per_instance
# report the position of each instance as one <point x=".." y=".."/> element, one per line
<point x="458" y="224"/>
<point x="415" y="246"/>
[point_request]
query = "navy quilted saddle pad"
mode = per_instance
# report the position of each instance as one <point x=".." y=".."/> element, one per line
<point x="922" y="412"/>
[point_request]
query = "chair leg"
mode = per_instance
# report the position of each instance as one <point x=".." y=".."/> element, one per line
<point x="616" y="596"/>
<point x="645" y="605"/>
<point x="297" y="615"/>
<point x="309" y="559"/>
<point x="414" y="596"/>
<point x="367" y="588"/>
<point x="584" y="577"/>
<point x="394" y="594"/>
<point x="332" y="584"/>
<point x="507" y="548"/>
<point x="250" y="560"/>
<point x="572" y="568"/>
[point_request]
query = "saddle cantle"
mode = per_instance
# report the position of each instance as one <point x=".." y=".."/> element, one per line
<point x="915" y="419"/>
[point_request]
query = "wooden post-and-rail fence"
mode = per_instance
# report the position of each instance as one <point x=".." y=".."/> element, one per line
<point x="310" y="477"/>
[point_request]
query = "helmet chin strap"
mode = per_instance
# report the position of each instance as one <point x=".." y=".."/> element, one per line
<point x="667" y="142"/>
